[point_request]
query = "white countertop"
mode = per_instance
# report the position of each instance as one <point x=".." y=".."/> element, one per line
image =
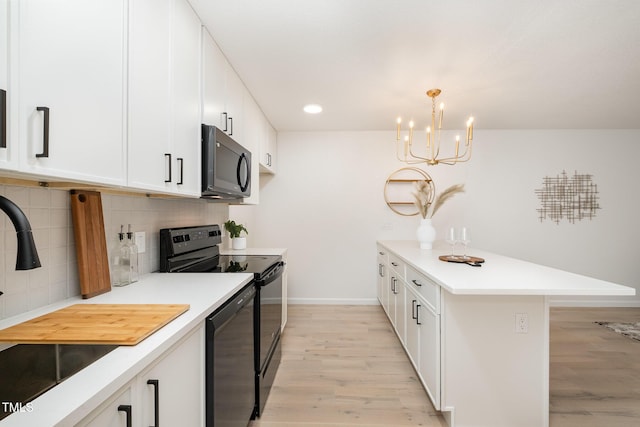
<point x="74" y="398"/>
<point x="499" y="275"/>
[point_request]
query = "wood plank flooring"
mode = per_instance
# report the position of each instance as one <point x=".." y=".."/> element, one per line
<point x="594" y="377"/>
<point x="343" y="366"/>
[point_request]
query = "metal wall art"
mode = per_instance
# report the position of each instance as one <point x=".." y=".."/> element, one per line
<point x="568" y="197"/>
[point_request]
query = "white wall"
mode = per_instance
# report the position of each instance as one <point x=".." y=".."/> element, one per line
<point x="326" y="205"/>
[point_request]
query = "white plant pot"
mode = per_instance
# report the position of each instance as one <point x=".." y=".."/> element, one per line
<point x="239" y="243"/>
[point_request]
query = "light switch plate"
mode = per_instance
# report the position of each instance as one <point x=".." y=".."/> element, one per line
<point x="140" y="237"/>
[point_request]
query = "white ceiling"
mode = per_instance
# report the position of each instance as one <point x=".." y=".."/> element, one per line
<point x="544" y="64"/>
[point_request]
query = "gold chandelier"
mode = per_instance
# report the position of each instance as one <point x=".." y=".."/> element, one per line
<point x="433" y="140"/>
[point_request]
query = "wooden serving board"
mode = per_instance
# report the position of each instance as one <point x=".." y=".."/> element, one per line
<point x="119" y="324"/>
<point x="470" y="260"/>
<point x="91" y="244"/>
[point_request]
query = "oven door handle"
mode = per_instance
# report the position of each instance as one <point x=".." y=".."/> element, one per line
<point x="273" y="273"/>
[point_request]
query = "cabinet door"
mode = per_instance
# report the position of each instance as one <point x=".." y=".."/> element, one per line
<point x="112" y="413"/>
<point x="149" y="93"/>
<point x="399" y="301"/>
<point x="164" y="96"/>
<point x="234" y="104"/>
<point x="412" y="340"/>
<point x="172" y="391"/>
<point x="254" y="134"/>
<point x="268" y="151"/>
<point x="8" y="153"/>
<point x="186" y="115"/>
<point x="71" y="62"/>
<point x="429" y="365"/>
<point x="213" y="79"/>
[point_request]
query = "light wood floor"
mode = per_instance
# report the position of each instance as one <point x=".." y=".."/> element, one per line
<point x="343" y="366"/>
<point x="594" y="377"/>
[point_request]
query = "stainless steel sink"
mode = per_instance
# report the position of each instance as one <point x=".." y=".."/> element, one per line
<point x="28" y="370"/>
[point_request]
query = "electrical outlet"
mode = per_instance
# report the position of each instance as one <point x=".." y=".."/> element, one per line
<point x="522" y="323"/>
<point x="140" y="237"/>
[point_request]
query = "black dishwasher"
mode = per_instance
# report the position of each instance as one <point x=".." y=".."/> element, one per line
<point x="230" y="379"/>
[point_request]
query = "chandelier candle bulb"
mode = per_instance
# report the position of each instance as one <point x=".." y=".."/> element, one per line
<point x="441" y="115"/>
<point x="398" y="132"/>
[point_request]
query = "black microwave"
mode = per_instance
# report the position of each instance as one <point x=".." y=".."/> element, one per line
<point x="226" y="166"/>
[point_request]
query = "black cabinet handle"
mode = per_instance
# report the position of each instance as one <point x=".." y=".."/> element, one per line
<point x="226" y="121"/>
<point x="394" y="264"/>
<point x="3" y="118"/>
<point x="127" y="410"/>
<point x="231" y="127"/>
<point x="156" y="401"/>
<point x="415" y="282"/>
<point x="413" y="309"/>
<point x="45" y="133"/>
<point x="418" y="314"/>
<point x="181" y="161"/>
<point x="167" y="159"/>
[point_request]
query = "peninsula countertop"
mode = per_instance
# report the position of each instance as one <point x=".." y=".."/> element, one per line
<point x="499" y="275"/>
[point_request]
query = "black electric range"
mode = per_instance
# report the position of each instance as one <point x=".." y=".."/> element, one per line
<point x="196" y="250"/>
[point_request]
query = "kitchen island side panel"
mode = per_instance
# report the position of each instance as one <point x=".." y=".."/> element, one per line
<point x="492" y="375"/>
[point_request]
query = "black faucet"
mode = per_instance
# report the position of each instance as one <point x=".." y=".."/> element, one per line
<point x="27" y="258"/>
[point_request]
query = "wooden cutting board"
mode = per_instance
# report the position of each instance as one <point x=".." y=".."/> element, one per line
<point x="119" y="324"/>
<point x="91" y="244"/>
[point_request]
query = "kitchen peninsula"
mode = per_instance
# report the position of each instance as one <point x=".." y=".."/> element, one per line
<point x="478" y="336"/>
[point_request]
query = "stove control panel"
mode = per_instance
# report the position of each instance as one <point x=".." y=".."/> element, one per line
<point x="175" y="241"/>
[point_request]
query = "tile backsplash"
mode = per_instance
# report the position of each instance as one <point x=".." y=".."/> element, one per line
<point x="49" y="212"/>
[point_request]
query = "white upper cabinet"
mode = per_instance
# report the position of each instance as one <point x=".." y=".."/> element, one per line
<point x="253" y="133"/>
<point x="8" y="156"/>
<point x="268" y="151"/>
<point x="164" y="97"/>
<point x="69" y="83"/>
<point x="223" y="91"/>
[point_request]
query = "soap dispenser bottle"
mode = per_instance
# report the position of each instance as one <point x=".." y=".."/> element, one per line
<point x="133" y="257"/>
<point x="118" y="272"/>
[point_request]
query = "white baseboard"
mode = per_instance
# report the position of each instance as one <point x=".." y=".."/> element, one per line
<point x="334" y="301"/>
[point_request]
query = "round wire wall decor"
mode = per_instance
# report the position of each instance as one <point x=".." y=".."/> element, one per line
<point x="399" y="188"/>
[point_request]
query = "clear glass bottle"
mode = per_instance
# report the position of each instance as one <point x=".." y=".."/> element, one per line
<point x="133" y="257"/>
<point x="119" y="273"/>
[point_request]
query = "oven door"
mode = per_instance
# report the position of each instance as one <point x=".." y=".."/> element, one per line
<point x="268" y="315"/>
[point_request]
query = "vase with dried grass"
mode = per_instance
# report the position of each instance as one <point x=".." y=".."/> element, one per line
<point x="427" y="207"/>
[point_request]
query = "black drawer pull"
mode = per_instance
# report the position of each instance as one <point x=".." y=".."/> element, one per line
<point x="45" y="133"/>
<point x="127" y="410"/>
<point x="156" y="401"/>
<point x="181" y="161"/>
<point x="167" y="159"/>
<point x="3" y="118"/>
<point x="415" y="282"/>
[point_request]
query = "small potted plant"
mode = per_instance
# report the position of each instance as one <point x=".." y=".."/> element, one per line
<point x="234" y="231"/>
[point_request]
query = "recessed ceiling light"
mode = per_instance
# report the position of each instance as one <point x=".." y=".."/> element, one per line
<point x="312" y="108"/>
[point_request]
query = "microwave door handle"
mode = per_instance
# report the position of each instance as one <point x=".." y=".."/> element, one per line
<point x="245" y="185"/>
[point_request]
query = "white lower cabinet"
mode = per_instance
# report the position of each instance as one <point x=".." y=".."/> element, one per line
<point x="412" y="336"/>
<point x="429" y="366"/>
<point x="115" y="412"/>
<point x="413" y="307"/>
<point x="170" y="392"/>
